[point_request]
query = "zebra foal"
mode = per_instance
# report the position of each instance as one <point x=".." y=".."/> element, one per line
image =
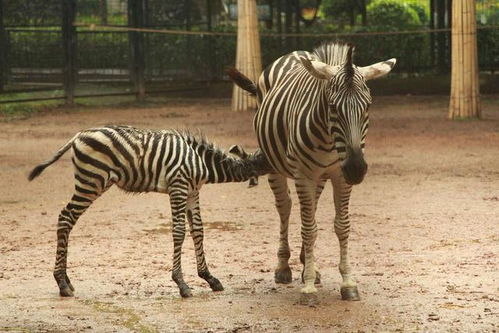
<point x="166" y="161"/>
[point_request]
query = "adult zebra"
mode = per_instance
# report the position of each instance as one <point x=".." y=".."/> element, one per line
<point x="137" y="160"/>
<point x="311" y="124"/>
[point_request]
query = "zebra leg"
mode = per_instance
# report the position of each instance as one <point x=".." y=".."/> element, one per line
<point x="86" y="192"/>
<point x="306" y="190"/>
<point x="318" y="192"/>
<point x="279" y="186"/>
<point x="178" y="200"/>
<point x="196" y="227"/>
<point x="342" y="192"/>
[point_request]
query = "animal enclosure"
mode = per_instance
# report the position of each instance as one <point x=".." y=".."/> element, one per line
<point x="423" y="242"/>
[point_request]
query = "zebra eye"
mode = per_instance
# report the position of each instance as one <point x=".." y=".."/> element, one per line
<point x="332" y="107"/>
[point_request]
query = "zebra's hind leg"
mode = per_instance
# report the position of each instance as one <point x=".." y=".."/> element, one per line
<point x="178" y="202"/>
<point x="318" y="192"/>
<point x="342" y="193"/>
<point x="279" y="187"/>
<point x="197" y="234"/>
<point x="81" y="200"/>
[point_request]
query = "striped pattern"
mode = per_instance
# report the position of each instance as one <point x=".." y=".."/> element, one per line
<point x="312" y="128"/>
<point x="167" y="161"/>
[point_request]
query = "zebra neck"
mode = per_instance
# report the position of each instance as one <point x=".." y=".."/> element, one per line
<point x="318" y="120"/>
<point x="227" y="169"/>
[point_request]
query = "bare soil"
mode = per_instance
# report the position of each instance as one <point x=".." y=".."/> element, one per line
<point x="424" y="243"/>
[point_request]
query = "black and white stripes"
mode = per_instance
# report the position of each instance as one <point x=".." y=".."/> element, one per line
<point x="167" y="161"/>
<point x="311" y="124"/>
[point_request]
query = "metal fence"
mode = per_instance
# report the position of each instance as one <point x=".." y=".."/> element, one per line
<point x="138" y="47"/>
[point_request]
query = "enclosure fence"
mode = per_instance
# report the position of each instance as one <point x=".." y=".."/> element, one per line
<point x="80" y="48"/>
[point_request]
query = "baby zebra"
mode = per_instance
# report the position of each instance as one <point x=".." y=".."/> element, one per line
<point x="136" y="160"/>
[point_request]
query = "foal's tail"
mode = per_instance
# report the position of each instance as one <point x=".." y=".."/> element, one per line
<point x="39" y="168"/>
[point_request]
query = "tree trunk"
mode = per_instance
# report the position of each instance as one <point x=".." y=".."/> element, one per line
<point x="248" y="58"/>
<point x="465" y="95"/>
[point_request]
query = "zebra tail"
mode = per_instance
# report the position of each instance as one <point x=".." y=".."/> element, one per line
<point x="39" y="168"/>
<point x="241" y="80"/>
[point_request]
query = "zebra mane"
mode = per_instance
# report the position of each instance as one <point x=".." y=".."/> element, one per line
<point x="200" y="140"/>
<point x="335" y="53"/>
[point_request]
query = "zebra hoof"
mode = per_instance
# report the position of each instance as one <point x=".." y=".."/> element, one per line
<point x="283" y="275"/>
<point x="185" y="292"/>
<point x="317" y="277"/>
<point x="350" y="294"/>
<point x="216" y="285"/>
<point x="309" y="299"/>
<point x="66" y="292"/>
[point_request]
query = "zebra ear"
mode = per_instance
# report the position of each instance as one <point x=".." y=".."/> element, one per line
<point x="319" y="69"/>
<point x="238" y="151"/>
<point x="377" y="70"/>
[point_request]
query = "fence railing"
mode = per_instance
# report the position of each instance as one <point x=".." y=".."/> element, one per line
<point x="80" y="58"/>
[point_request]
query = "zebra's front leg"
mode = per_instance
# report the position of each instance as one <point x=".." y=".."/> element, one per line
<point x="342" y="191"/>
<point x="318" y="192"/>
<point x="306" y="190"/>
<point x="178" y="201"/>
<point x="197" y="234"/>
<point x="279" y="186"/>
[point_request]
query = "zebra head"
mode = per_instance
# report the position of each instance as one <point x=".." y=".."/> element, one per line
<point x="348" y="99"/>
<point x="257" y="159"/>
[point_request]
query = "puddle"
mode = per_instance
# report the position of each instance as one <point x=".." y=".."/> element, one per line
<point x="126" y="317"/>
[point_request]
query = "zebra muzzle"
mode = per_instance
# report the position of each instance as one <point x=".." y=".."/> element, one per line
<point x="354" y="168"/>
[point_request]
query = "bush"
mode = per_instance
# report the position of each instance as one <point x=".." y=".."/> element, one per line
<point x="391" y="15"/>
<point x="420" y="11"/>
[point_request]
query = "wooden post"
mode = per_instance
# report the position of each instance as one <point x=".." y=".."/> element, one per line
<point x="136" y="42"/>
<point x="69" y="45"/>
<point x="3" y="51"/>
<point x="465" y="95"/>
<point x="248" y="57"/>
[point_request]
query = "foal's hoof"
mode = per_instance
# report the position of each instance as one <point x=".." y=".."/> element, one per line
<point x="215" y="285"/>
<point x="309" y="299"/>
<point x="69" y="284"/>
<point x="185" y="292"/>
<point x="350" y="294"/>
<point x="317" y="277"/>
<point x="66" y="292"/>
<point x="283" y="275"/>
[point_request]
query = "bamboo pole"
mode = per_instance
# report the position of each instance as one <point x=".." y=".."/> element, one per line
<point x="465" y="92"/>
<point x="248" y="54"/>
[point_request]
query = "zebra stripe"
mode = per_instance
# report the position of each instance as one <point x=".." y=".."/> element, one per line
<point x="167" y="161"/>
<point x="311" y="124"/>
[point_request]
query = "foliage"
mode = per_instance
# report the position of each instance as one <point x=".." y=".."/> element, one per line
<point x="488" y="47"/>
<point x="342" y="10"/>
<point x="392" y="15"/>
<point x="32" y="12"/>
<point x="421" y="11"/>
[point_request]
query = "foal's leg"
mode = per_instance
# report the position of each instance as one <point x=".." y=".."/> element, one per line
<point x="87" y="189"/>
<point x="318" y="192"/>
<point x="178" y="201"/>
<point x="342" y="192"/>
<point x="196" y="227"/>
<point x="279" y="187"/>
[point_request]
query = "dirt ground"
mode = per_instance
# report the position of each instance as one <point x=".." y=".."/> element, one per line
<point x="424" y="245"/>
